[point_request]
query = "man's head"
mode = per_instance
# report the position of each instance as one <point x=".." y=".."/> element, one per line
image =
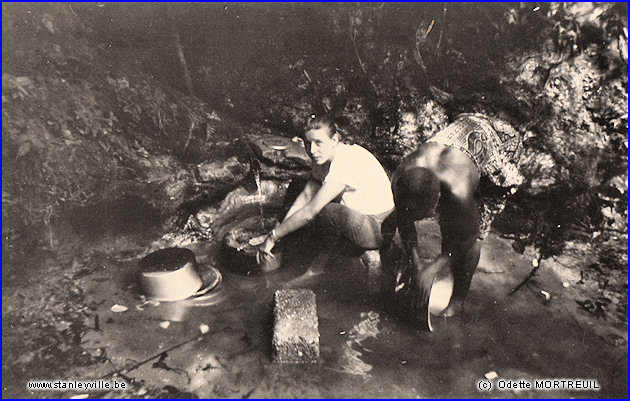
<point x="321" y="138"/>
<point x="416" y="193"/>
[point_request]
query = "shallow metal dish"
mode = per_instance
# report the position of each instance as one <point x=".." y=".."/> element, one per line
<point x="441" y="293"/>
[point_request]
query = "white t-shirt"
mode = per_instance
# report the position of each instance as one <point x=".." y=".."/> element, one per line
<point x="368" y="189"/>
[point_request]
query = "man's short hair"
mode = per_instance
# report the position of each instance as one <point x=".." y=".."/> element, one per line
<point x="315" y="121"/>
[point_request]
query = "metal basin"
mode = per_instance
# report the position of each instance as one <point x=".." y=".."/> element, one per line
<point x="170" y="274"/>
<point x="239" y="256"/>
<point x="441" y="293"/>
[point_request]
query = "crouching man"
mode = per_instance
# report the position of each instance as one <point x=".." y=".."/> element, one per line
<point x="344" y="203"/>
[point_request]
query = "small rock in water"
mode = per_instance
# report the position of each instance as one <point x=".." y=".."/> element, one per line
<point x="119" y="308"/>
<point x="204" y="328"/>
<point x="491" y="375"/>
<point x="547" y="297"/>
<point x="165" y="324"/>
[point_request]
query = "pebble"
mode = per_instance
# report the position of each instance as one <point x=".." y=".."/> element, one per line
<point x="119" y="308"/>
<point x="491" y="375"/>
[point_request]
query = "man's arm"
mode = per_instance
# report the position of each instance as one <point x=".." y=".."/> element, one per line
<point x="298" y="219"/>
<point x="303" y="198"/>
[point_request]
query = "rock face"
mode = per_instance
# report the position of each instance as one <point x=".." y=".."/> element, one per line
<point x="280" y="151"/>
<point x="295" y="327"/>
<point x="168" y="179"/>
<point x="222" y="171"/>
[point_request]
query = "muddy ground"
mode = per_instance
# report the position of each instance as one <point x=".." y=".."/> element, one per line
<point x="58" y="324"/>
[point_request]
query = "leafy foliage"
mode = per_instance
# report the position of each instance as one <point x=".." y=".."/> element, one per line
<point x="394" y="73"/>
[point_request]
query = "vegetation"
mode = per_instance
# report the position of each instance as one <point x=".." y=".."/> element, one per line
<point x="103" y="100"/>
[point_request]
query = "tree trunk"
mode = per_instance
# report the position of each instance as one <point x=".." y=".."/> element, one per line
<point x="182" y="62"/>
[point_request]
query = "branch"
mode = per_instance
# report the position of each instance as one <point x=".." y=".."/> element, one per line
<point x="421" y="37"/>
<point x="179" y="50"/>
<point x="149" y="359"/>
<point x="353" y="37"/>
<point x="356" y="51"/>
<point x="529" y="277"/>
<point x="190" y="133"/>
<point x="49" y="212"/>
<point x="439" y="43"/>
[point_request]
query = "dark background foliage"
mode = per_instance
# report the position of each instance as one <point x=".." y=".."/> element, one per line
<point x="105" y="101"/>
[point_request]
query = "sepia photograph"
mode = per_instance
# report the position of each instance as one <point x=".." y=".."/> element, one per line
<point x="314" y="200"/>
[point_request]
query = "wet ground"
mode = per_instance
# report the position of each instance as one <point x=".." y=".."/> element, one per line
<point x="365" y="350"/>
<point x="220" y="347"/>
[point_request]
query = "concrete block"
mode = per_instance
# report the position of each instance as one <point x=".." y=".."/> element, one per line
<point x="295" y="327"/>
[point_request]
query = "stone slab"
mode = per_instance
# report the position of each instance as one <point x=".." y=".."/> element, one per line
<point x="295" y="328"/>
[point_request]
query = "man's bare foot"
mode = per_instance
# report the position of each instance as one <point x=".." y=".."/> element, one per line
<point x="304" y="279"/>
<point x="377" y="280"/>
<point x="453" y="309"/>
<point x="316" y="268"/>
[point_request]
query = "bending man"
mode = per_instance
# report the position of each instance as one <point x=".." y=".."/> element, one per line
<point x="437" y="212"/>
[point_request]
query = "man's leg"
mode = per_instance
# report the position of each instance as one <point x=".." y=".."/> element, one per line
<point x="335" y="229"/>
<point x="463" y="257"/>
<point x="460" y="226"/>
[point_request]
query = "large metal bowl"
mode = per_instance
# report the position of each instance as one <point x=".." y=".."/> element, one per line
<point x="170" y="274"/>
<point x="239" y="256"/>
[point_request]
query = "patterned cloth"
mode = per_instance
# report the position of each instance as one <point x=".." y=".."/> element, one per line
<point x="491" y="143"/>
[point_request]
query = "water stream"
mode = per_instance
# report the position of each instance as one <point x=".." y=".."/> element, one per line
<point x="260" y="198"/>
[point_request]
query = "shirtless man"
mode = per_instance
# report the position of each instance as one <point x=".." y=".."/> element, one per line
<point x="437" y="212"/>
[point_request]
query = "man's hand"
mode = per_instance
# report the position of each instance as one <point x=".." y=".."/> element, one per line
<point x="422" y="281"/>
<point x="258" y="240"/>
<point x="264" y="249"/>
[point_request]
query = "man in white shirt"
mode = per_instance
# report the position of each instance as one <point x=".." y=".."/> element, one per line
<point x="349" y="174"/>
